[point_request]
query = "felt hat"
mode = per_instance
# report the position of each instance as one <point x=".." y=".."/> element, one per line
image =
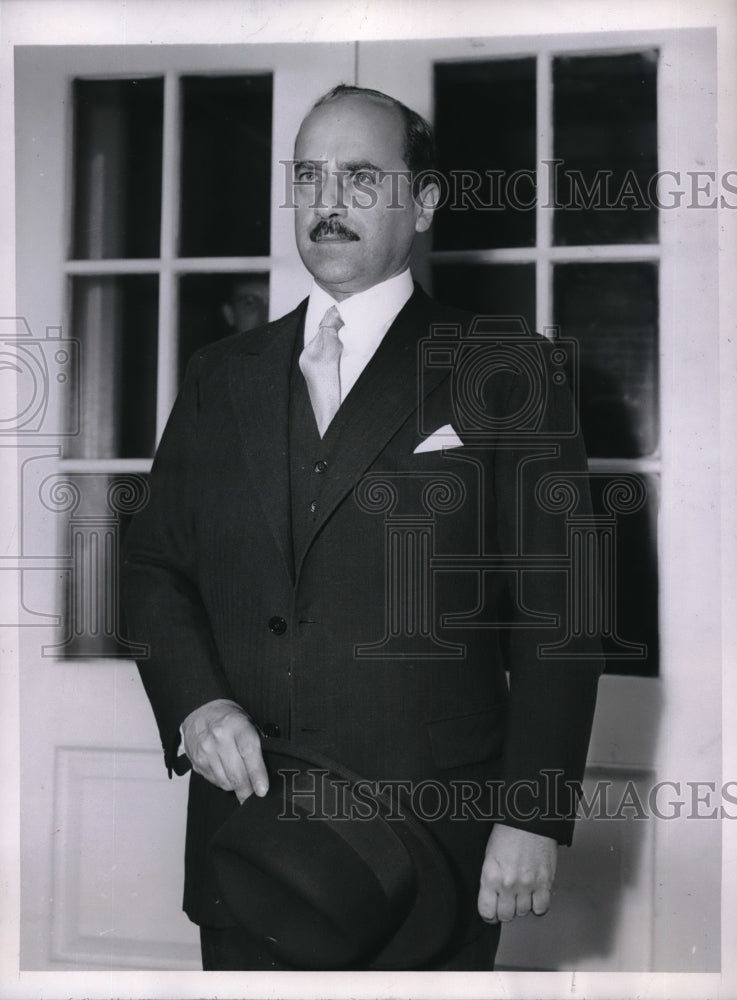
<point x="329" y="874"/>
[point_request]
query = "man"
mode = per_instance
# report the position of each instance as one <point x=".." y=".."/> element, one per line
<point x="247" y="305"/>
<point x="258" y="576"/>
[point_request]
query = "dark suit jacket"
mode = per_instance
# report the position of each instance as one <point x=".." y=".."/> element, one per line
<point x="209" y="566"/>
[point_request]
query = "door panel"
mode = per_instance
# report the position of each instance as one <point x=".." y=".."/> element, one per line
<point x="117" y="899"/>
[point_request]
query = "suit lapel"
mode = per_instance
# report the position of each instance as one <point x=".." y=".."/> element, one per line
<point x="386" y="394"/>
<point x="259" y="388"/>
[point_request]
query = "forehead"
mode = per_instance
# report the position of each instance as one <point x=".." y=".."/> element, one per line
<point x="352" y="127"/>
<point x="249" y="286"/>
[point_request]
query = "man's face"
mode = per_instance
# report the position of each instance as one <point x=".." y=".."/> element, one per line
<point x="248" y="305"/>
<point x="356" y="218"/>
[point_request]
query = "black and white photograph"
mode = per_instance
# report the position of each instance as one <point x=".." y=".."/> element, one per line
<point x="367" y="578"/>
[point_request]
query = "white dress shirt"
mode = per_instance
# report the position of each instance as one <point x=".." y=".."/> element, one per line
<point x="366" y="317"/>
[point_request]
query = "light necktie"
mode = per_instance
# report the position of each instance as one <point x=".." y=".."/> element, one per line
<point x="320" y="365"/>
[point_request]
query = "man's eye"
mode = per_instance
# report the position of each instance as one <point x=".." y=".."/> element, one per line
<point x="364" y="176"/>
<point x="306" y="176"/>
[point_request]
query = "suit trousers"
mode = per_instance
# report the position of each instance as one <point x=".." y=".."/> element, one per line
<point x="232" y="949"/>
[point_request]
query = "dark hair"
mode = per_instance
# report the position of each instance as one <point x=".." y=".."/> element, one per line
<point x="419" y="148"/>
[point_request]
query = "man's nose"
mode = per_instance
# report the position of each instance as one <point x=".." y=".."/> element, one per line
<point x="331" y="196"/>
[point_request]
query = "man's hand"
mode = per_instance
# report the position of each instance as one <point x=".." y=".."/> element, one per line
<point x="224" y="746"/>
<point x="517" y="874"/>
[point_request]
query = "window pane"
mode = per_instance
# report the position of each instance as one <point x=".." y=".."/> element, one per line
<point x="492" y="289"/>
<point x="635" y="611"/>
<point x="605" y="134"/>
<point x="485" y="123"/>
<point x="117" y="175"/>
<point x="215" y="305"/>
<point x="226" y="166"/>
<point x="612" y="310"/>
<point x="115" y="321"/>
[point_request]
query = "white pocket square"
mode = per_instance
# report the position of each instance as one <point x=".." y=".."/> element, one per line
<point x="443" y="437"/>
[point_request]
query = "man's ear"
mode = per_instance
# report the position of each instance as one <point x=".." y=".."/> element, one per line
<point x="228" y="314"/>
<point x="426" y="200"/>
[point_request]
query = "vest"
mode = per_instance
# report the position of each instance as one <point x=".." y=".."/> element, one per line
<point x="306" y="458"/>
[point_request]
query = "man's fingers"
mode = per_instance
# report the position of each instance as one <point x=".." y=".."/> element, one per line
<point x="211" y="768"/>
<point x="506" y="906"/>
<point x="540" y="901"/>
<point x="228" y="772"/>
<point x="517" y="874"/>
<point x="226" y="777"/>
<point x="495" y="907"/>
<point x="487" y="906"/>
<point x="224" y="746"/>
<point x="235" y="772"/>
<point x="243" y="761"/>
<point x="243" y="790"/>
<point x="252" y="756"/>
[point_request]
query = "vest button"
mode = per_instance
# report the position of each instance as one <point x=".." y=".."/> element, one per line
<point x="277" y="625"/>
<point x="321" y="466"/>
<point x="272" y="729"/>
<point x="313" y="506"/>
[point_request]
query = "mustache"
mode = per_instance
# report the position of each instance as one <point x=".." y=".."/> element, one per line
<point x="332" y="227"/>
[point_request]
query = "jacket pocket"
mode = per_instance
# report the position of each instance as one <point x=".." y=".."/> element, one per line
<point x="467" y="739"/>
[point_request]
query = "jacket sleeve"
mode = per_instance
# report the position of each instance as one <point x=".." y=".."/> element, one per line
<point x="162" y="606"/>
<point x="542" y="493"/>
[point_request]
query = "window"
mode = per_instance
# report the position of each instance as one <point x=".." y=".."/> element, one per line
<point x="546" y="216"/>
<point x="170" y="249"/>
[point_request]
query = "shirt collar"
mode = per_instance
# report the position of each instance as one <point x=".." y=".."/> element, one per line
<point x="366" y="315"/>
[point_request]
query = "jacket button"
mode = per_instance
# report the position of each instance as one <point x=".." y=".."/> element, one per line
<point x="271" y="729"/>
<point x="321" y="466"/>
<point x="277" y="625"/>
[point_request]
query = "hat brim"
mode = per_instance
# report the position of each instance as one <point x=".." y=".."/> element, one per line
<point x="327" y="888"/>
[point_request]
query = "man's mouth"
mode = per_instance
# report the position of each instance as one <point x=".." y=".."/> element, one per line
<point x="332" y="231"/>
